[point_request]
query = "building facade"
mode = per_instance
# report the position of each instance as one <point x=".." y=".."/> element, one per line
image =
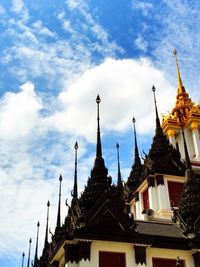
<point x="153" y="219"/>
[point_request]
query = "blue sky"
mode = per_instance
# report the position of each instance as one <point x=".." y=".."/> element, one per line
<point x="56" y="56"/>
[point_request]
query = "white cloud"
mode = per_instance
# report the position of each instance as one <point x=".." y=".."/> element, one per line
<point x="41" y="29"/>
<point x="19" y="112"/>
<point x="125" y="89"/>
<point x="20" y="9"/>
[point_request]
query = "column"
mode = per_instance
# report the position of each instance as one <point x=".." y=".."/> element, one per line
<point x="196" y="141"/>
<point x="152" y="193"/>
<point x="171" y="136"/>
<point x="138" y="206"/>
<point x="163" y="197"/>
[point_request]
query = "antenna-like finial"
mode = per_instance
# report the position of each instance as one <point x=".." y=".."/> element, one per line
<point x="59" y="204"/>
<point x="136" y="169"/>
<point x="36" y="247"/>
<point x="75" y="190"/>
<point x="187" y="158"/>
<point x="158" y="127"/>
<point x="98" y="150"/>
<point x="23" y="255"/>
<point x="119" y="177"/>
<point x="29" y="253"/>
<point x="47" y="225"/>
<point x="135" y="139"/>
<point x="181" y="88"/>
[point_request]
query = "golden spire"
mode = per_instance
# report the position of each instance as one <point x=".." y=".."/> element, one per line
<point x="181" y="88"/>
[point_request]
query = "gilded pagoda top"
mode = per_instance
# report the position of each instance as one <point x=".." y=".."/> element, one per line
<point x="190" y="113"/>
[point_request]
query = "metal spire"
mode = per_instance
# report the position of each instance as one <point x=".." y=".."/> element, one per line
<point x="98" y="149"/>
<point x="29" y="253"/>
<point x="181" y="88"/>
<point x="47" y="225"/>
<point x="59" y="201"/>
<point x="158" y="127"/>
<point x="119" y="177"/>
<point x="23" y="255"/>
<point x="135" y="139"/>
<point x="36" y="247"/>
<point x="75" y="189"/>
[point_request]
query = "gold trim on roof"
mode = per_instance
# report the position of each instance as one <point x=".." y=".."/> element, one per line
<point x="183" y="104"/>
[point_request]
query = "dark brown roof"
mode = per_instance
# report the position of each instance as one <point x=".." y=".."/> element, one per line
<point x="164" y="229"/>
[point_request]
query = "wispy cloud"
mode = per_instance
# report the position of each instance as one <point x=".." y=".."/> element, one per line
<point x="144" y="6"/>
<point x="141" y="44"/>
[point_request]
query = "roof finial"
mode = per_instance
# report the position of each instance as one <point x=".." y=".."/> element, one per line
<point x="29" y="253"/>
<point x="36" y="247"/>
<point x="119" y="180"/>
<point x="59" y="201"/>
<point x="187" y="158"/>
<point x="23" y="255"/>
<point x="135" y="139"/>
<point x="181" y="88"/>
<point x="98" y="150"/>
<point x="75" y="190"/>
<point x="158" y="127"/>
<point x="47" y="225"/>
<point x="136" y="169"/>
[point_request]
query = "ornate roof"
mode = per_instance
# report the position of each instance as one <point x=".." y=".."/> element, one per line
<point x="162" y="156"/>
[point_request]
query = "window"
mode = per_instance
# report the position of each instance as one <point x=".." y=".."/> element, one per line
<point x="175" y="191"/>
<point x="146" y="199"/>
<point x="111" y="259"/>
<point x="166" y="262"/>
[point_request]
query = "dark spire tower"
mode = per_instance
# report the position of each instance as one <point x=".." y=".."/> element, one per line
<point x="136" y="170"/>
<point x="137" y="158"/>
<point x="98" y="149"/>
<point x="119" y="177"/>
<point x="23" y="255"/>
<point x="75" y="189"/>
<point x="36" y="247"/>
<point x="47" y="225"/>
<point x="99" y="161"/>
<point x="99" y="181"/>
<point x="59" y="204"/>
<point x="158" y="127"/>
<point x="29" y="253"/>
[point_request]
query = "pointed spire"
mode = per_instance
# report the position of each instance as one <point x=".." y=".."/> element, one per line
<point x="29" y="253"/>
<point x="23" y="255"/>
<point x="98" y="149"/>
<point x="119" y="177"/>
<point x="99" y="161"/>
<point x="136" y="170"/>
<point x="137" y="158"/>
<point x="47" y="225"/>
<point x="181" y="88"/>
<point x="158" y="127"/>
<point x="75" y="189"/>
<point x="36" y="247"/>
<point x="59" y="204"/>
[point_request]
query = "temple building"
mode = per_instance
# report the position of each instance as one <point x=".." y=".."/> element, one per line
<point x="152" y="219"/>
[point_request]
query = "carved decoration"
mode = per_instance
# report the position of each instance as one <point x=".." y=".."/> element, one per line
<point x="151" y="181"/>
<point x="140" y="254"/>
<point x="159" y="180"/>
